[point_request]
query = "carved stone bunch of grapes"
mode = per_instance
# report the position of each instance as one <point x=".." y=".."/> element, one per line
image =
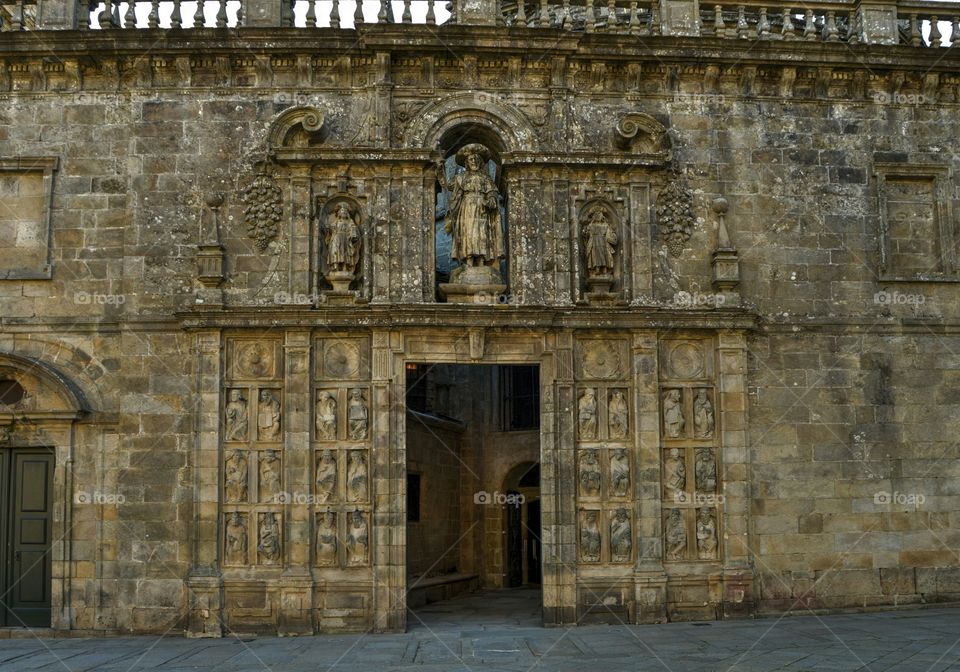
<point x="675" y="215"/>
<point x="264" y="208"/>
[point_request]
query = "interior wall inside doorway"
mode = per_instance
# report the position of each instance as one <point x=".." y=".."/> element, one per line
<point x="472" y="435"/>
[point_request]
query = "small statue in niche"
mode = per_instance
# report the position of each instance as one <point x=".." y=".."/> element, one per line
<point x="618" y="415"/>
<point x="236" y="417"/>
<point x="600" y="245"/>
<point x="268" y="416"/>
<point x="326" y="417"/>
<point x="673" y="420"/>
<point x="675" y="476"/>
<point x="621" y="538"/>
<point x="327" y="539"/>
<point x="357" y="477"/>
<point x="706" y="535"/>
<point x="236" y="546"/>
<point x="327" y="477"/>
<point x="706" y="470"/>
<point x="357" y="539"/>
<point x="473" y="218"/>
<point x="269" y="476"/>
<point x="590" y="537"/>
<point x="357" y="415"/>
<point x="587" y="414"/>
<point x="702" y="415"/>
<point x="236" y="477"/>
<point x="676" y="536"/>
<point x="589" y="474"/>
<point x="343" y="241"/>
<point x="620" y="472"/>
<point x="269" y="546"/>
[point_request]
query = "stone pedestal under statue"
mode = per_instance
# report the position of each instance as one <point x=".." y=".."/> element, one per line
<point x="473" y="284"/>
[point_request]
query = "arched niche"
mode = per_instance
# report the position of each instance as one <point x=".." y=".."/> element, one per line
<point x="297" y="127"/>
<point x="597" y="288"/>
<point x="486" y="115"/>
<point x="325" y="210"/>
<point x="46" y="393"/>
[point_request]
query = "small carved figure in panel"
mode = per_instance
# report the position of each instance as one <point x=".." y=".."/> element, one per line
<point x="587" y="414"/>
<point x="327" y="539"/>
<point x="269" y="545"/>
<point x="326" y="417"/>
<point x="268" y="416"/>
<point x="618" y="415"/>
<point x="269" y="476"/>
<point x="676" y="535"/>
<point x="675" y="476"/>
<point x="236" y="540"/>
<point x="357" y="415"/>
<point x="706" y="535"/>
<point x="236" y="477"/>
<point x="589" y="474"/>
<point x="327" y="477"/>
<point x="673" y="420"/>
<point x="236" y="417"/>
<point x="357" y="477"/>
<point x="600" y="243"/>
<point x="620" y="473"/>
<point x="702" y="415"/>
<point x="357" y="539"/>
<point x="590" y="537"/>
<point x="621" y="537"/>
<point x="706" y="470"/>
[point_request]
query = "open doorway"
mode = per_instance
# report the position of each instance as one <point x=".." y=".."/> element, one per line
<point x="473" y="542"/>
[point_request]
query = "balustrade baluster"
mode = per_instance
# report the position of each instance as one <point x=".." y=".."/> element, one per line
<point x="935" y="35"/>
<point x="382" y="14"/>
<point x="406" y="18"/>
<point x="955" y="31"/>
<point x="110" y="13"/>
<point x="335" y="14"/>
<point x="634" y="19"/>
<point x="310" y="20"/>
<point x="130" y="16"/>
<point x="521" y="17"/>
<point x="198" y="20"/>
<point x="719" y="29"/>
<point x="611" y="15"/>
<point x="763" y="25"/>
<point x="654" y="18"/>
<point x="590" y="19"/>
<point x="431" y="16"/>
<point x="16" y="16"/>
<point x="544" y="14"/>
<point x="358" y="13"/>
<point x="743" y="28"/>
<point x="176" y="20"/>
<point x="220" y="19"/>
<point x="566" y="22"/>
<point x="239" y="13"/>
<point x="916" y="38"/>
<point x="830" y="32"/>
<point x="153" y="18"/>
<point x="853" y="28"/>
<point x="788" y="30"/>
<point x="809" y="26"/>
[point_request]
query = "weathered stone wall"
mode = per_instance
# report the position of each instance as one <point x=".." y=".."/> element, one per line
<point x="850" y="371"/>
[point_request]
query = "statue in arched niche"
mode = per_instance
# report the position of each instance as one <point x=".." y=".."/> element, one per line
<point x="473" y="220"/>
<point x="600" y="241"/>
<point x="343" y="240"/>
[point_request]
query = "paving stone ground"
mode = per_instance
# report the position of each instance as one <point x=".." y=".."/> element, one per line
<point x="499" y="632"/>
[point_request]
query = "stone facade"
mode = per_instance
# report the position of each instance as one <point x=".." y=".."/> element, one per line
<point x="729" y="244"/>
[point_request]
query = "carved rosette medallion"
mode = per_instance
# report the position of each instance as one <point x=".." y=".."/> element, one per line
<point x="341" y="360"/>
<point x="686" y="361"/>
<point x="600" y="359"/>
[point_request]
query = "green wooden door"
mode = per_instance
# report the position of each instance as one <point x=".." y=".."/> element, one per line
<point x="26" y="476"/>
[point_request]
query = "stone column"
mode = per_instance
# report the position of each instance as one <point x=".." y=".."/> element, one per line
<point x="205" y="582"/>
<point x="651" y="580"/>
<point x="738" y="599"/>
<point x="296" y="584"/>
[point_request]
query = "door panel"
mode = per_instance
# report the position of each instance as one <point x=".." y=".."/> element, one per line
<point x="27" y="477"/>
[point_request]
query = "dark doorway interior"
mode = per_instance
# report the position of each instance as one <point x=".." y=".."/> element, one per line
<point x="26" y="517"/>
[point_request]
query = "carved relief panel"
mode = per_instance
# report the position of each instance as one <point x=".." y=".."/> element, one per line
<point x="691" y="496"/>
<point x="252" y="455"/>
<point x="605" y="455"/>
<point x="342" y="433"/>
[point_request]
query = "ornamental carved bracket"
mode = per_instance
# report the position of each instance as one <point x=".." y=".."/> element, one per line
<point x="297" y="127"/>
<point x="642" y="134"/>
